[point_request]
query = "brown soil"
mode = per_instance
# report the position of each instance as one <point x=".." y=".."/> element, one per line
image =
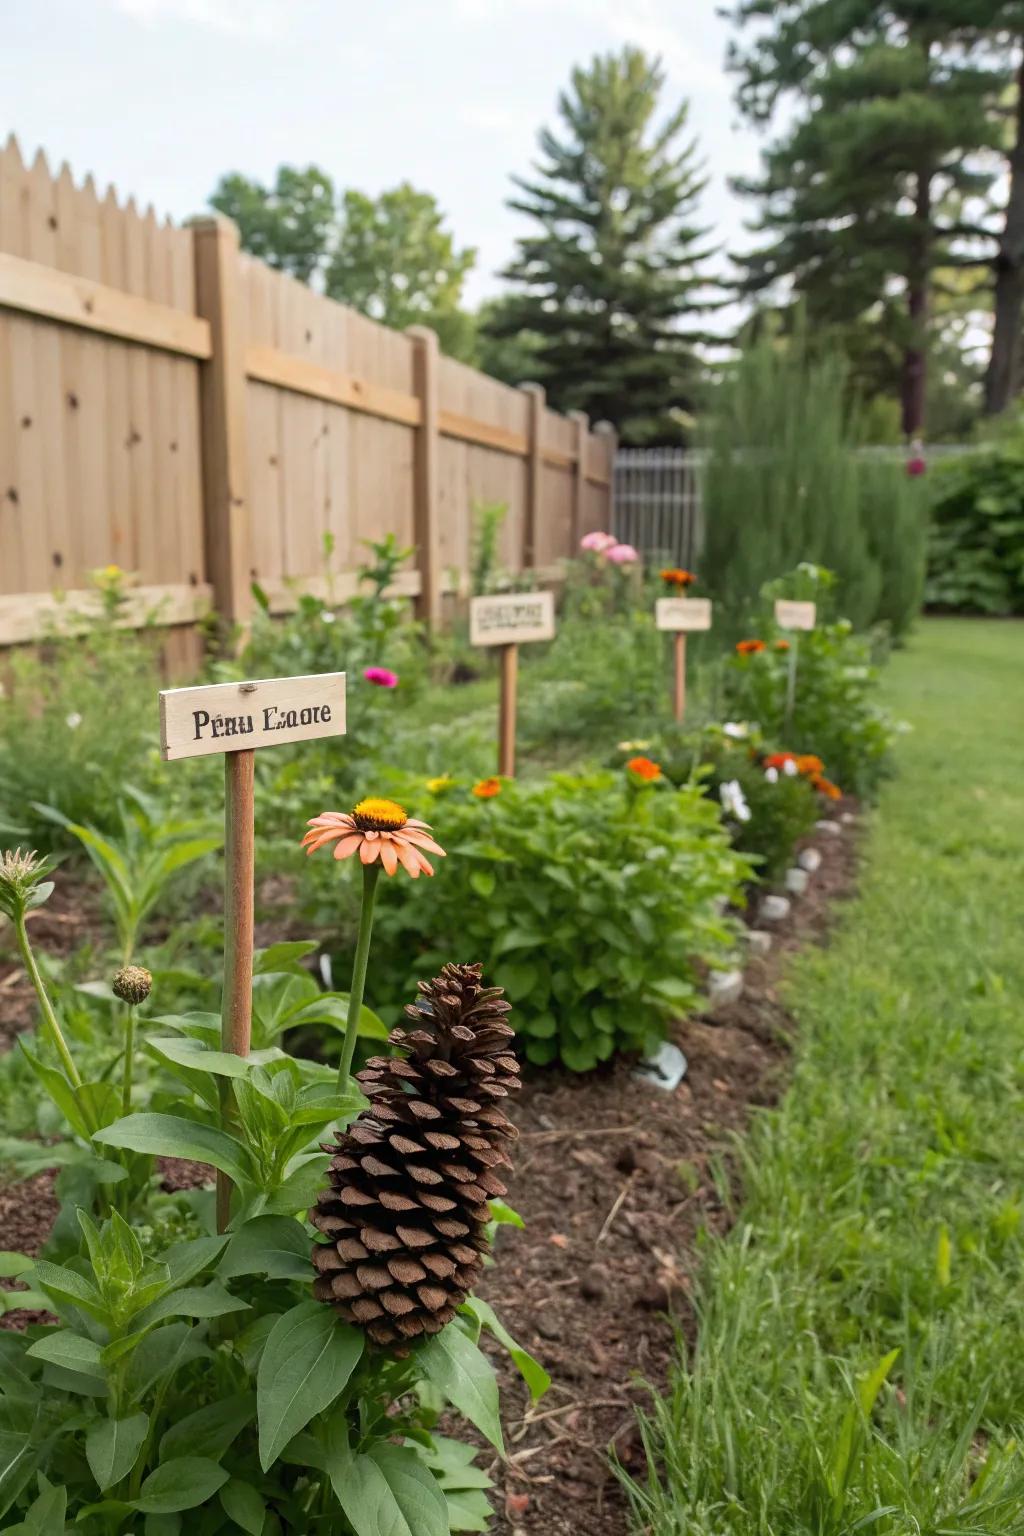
<point x="70" y="921"/>
<point x="614" y="1180"/>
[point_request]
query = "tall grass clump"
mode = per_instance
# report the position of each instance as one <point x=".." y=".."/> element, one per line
<point x="894" y="513"/>
<point x="781" y="483"/>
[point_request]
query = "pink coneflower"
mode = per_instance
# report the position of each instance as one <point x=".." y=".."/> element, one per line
<point x="376" y="829"/>
<point x="598" y="542"/>
<point x="623" y="554"/>
<point x="381" y="677"/>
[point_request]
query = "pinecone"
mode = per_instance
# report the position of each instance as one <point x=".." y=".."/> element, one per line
<point x="406" y="1210"/>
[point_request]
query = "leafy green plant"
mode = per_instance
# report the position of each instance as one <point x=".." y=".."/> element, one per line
<point x="835" y="711"/>
<point x="487" y="519"/>
<point x="200" y="1374"/>
<point x="589" y="900"/>
<point x="75" y="718"/>
<point x="139" y="862"/>
<point x="976" y="547"/>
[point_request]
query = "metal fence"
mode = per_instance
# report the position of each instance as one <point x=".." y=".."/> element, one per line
<point x="658" y="504"/>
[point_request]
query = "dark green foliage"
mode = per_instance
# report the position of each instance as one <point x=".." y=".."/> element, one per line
<point x="976" y="548"/>
<point x="781" y="485"/>
<point x="606" y="286"/>
<point x="894" y="513"/>
<point x="836" y="715"/>
<point x="866" y="194"/>
<point x="588" y="899"/>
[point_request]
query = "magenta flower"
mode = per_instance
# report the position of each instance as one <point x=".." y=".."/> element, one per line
<point x="623" y="554"/>
<point x="598" y="542"/>
<point x="381" y="677"/>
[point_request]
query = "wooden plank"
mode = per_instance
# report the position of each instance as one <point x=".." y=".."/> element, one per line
<point x="682" y="614"/>
<point x="468" y="430"/>
<point x="239" y="717"/>
<point x="271" y="366"/>
<point x="513" y="618"/>
<point x="222" y="399"/>
<point x="534" y="465"/>
<point x="31" y="616"/>
<point x="36" y="289"/>
<point x="284" y="593"/>
<point x="122" y="538"/>
<point x="579" y="479"/>
<point x="426" y="459"/>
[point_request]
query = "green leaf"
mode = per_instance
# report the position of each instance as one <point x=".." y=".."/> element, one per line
<point x="504" y="1216"/>
<point x="454" y="1364"/>
<point x="483" y="882"/>
<point x="518" y="977"/>
<point x="299" y="1190"/>
<point x="71" y="1350"/>
<point x="45" y="1516"/>
<point x="192" y="1301"/>
<point x="283" y="957"/>
<point x="174" y="1136"/>
<point x="195" y="1054"/>
<point x="181" y="1483"/>
<point x="59" y="1089"/>
<point x="275" y="1246"/>
<point x="468" y="1510"/>
<point x="532" y="1372"/>
<point x="244" y="1505"/>
<point x="387" y="1492"/>
<point x="308" y="1358"/>
<point x="14" y="1264"/>
<point x="210" y="1429"/>
<point x="112" y="1447"/>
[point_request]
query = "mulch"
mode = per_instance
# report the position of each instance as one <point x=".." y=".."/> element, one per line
<point x="614" y="1179"/>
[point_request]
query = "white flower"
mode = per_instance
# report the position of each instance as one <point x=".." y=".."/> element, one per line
<point x="733" y="800"/>
<point x="328" y="617"/>
<point x="772" y="775"/>
<point x="738" y="730"/>
<point x="790" y="768"/>
<point x="73" y="721"/>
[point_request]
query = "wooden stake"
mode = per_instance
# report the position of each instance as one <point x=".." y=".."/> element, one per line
<point x="679" y="692"/>
<point x="239" y="895"/>
<point x="507" y="710"/>
<point x="791" y="680"/>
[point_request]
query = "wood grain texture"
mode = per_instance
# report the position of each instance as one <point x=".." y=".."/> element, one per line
<point x="263" y="712"/>
<point x="682" y="614"/>
<point x="30" y="616"/>
<point x="513" y="618"/>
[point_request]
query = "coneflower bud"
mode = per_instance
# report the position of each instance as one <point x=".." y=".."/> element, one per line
<point x="20" y="877"/>
<point x="132" y="984"/>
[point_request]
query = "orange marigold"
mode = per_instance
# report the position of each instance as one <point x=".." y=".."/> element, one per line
<point x="644" y="769"/>
<point x="749" y="647"/>
<point x="809" y="765"/>
<point x="782" y="645"/>
<point x="674" y="576"/>
<point x="487" y="789"/>
<point x="825" y="787"/>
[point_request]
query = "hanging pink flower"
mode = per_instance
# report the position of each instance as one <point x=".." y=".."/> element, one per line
<point x="598" y="542"/>
<point x="623" y="554"/>
<point x="381" y="677"/>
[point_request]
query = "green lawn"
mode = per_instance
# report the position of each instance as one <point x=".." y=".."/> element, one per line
<point x="861" y="1354"/>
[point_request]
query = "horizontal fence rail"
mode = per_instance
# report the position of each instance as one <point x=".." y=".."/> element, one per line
<point x="175" y="407"/>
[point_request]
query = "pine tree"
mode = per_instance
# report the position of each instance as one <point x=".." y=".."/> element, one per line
<point x="608" y="285"/>
<point x="878" y="182"/>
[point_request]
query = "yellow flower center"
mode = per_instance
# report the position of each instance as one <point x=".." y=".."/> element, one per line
<point x="375" y="815"/>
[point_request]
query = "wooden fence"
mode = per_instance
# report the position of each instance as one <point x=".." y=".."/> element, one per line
<point x="177" y="408"/>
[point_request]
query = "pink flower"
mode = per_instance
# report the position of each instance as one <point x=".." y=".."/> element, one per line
<point x="623" y="554"/>
<point x="381" y="676"/>
<point x="598" y="542"/>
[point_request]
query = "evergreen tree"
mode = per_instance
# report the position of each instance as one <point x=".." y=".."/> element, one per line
<point x="880" y="180"/>
<point x="611" y="280"/>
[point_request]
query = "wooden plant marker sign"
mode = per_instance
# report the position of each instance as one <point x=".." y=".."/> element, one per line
<point x="681" y="616"/>
<point x="509" y="621"/>
<point x="235" y="719"/>
<point x="794" y="616"/>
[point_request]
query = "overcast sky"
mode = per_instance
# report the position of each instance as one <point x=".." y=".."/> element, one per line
<point x="161" y="96"/>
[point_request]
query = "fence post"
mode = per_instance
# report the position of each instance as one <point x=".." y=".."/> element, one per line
<point x="426" y="456"/>
<point x="579" y="484"/>
<point x="605" y="430"/>
<point x="226" y="514"/>
<point x="534" y="467"/>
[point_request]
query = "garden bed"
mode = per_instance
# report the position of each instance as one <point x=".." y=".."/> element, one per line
<point x="615" y="1180"/>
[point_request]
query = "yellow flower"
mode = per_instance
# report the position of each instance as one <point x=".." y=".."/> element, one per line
<point x="440" y="784"/>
